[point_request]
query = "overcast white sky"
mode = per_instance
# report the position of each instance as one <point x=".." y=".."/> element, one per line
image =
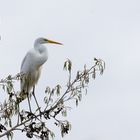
<point x="106" y="29"/>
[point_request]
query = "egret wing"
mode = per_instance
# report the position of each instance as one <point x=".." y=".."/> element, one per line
<point x="27" y="62"/>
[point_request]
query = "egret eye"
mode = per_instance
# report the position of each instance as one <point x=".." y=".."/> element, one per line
<point x="46" y="40"/>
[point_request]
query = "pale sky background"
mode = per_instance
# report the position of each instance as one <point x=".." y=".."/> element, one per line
<point x="106" y="29"/>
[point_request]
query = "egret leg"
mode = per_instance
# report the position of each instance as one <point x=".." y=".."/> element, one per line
<point x="29" y="102"/>
<point x="28" y="97"/>
<point x="36" y="99"/>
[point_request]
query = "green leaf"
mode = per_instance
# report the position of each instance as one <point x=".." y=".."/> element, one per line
<point x="80" y="97"/>
<point x="64" y="112"/>
<point x="76" y="102"/>
<point x="69" y="65"/>
<point x="58" y="87"/>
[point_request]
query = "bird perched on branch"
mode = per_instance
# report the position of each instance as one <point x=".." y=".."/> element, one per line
<point x="31" y="65"/>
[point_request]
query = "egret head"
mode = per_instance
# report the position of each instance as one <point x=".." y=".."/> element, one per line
<point x="42" y="40"/>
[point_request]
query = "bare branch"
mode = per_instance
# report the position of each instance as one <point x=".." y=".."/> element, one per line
<point x="35" y="124"/>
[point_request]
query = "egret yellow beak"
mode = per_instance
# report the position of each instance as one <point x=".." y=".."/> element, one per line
<point x="53" y="42"/>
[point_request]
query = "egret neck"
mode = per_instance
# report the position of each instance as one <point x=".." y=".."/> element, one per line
<point x="42" y="53"/>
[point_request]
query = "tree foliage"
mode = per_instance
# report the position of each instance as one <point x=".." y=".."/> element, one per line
<point x="34" y="123"/>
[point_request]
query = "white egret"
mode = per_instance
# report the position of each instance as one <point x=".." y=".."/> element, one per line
<point x="31" y="65"/>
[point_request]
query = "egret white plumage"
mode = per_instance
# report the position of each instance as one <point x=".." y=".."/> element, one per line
<point x="32" y="63"/>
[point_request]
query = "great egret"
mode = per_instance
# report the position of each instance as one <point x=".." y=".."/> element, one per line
<point x="31" y="65"/>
